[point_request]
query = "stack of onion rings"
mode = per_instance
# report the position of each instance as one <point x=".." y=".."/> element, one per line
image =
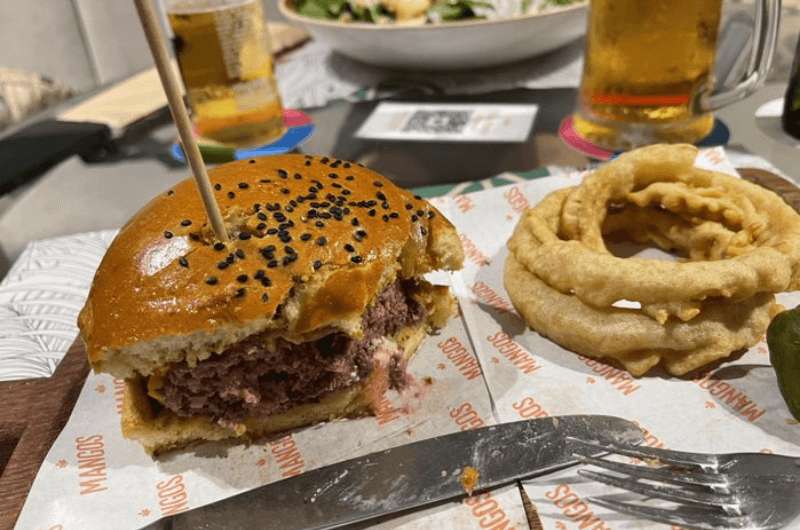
<point x="740" y="245"/>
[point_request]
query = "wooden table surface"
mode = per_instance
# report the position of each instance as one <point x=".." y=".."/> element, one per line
<point x="33" y="412"/>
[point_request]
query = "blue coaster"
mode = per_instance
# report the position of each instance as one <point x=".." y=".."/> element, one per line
<point x="719" y="136"/>
<point x="299" y="128"/>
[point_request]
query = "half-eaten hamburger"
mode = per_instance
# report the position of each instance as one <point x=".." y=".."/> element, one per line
<point x="309" y="313"/>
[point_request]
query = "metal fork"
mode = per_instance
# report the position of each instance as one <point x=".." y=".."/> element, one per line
<point x="739" y="490"/>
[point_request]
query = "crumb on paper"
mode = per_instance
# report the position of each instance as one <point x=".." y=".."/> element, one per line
<point x="428" y="380"/>
<point x="469" y="479"/>
<point x="653" y="462"/>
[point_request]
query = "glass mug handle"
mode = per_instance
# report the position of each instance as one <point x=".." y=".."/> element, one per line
<point x="765" y="36"/>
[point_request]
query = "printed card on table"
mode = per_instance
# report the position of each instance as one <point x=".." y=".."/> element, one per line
<point x="450" y="122"/>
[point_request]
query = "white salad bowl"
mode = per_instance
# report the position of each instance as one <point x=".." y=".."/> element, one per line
<point x="456" y="45"/>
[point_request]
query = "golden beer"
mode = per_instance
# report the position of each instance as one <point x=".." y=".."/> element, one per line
<point x="223" y="53"/>
<point x="647" y="64"/>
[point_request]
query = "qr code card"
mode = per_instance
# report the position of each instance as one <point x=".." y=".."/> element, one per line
<point x="451" y="122"/>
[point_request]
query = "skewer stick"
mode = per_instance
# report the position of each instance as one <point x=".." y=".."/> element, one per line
<point x="158" y="48"/>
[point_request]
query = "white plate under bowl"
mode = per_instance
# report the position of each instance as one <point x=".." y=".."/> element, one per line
<point x="451" y="45"/>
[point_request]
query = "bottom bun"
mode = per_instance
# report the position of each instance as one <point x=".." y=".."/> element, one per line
<point x="160" y="430"/>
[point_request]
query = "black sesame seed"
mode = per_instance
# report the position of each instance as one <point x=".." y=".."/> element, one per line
<point x="211" y="280"/>
<point x="229" y="258"/>
<point x="423" y="231"/>
<point x="269" y="248"/>
<point x="244" y="236"/>
<point x="240" y="253"/>
<point x="265" y="181"/>
<point x="321" y="241"/>
<point x="252" y="161"/>
<point x="333" y="175"/>
<point x="279" y="217"/>
<point x="420" y="213"/>
<point x="285" y="191"/>
<point x="285" y="237"/>
<point x="272" y="263"/>
<point x="243" y="185"/>
<point x="219" y="246"/>
<point x="186" y="222"/>
<point x="385" y="217"/>
<point x="346" y="210"/>
<point x="259" y="274"/>
<point x="308" y="162"/>
<point x="240" y="292"/>
<point x="325" y="160"/>
<point x="261" y="226"/>
<point x="356" y="259"/>
<point x="371" y="213"/>
<point x="293" y="203"/>
<point x="409" y="206"/>
<point x="289" y="250"/>
<point x="414" y="218"/>
<point x="349" y="248"/>
<point x="256" y="207"/>
<point x="312" y="189"/>
<point x="345" y="192"/>
<point x="378" y="184"/>
<point x="217" y="187"/>
<point x="222" y="265"/>
<point x="168" y="234"/>
<point x="305" y="237"/>
<point x="183" y="261"/>
<point x="354" y="221"/>
<point x="287" y="260"/>
<point x="194" y="236"/>
<point x="336" y="164"/>
<point x="325" y="215"/>
<point x="370" y="203"/>
<point x="319" y="224"/>
<point x="289" y="209"/>
<point x="272" y="231"/>
<point x="394" y="215"/>
<point x="359" y="235"/>
<point x="431" y="214"/>
<point x="311" y="214"/>
<point x="298" y="176"/>
<point x="262" y="216"/>
<point x="171" y="192"/>
<point x="264" y="297"/>
<point x="346" y="165"/>
<point x="242" y="278"/>
<point x="385" y="205"/>
<point x="282" y="173"/>
<point x="418" y="197"/>
<point x="336" y="185"/>
<point x="317" y="264"/>
<point x="349" y="177"/>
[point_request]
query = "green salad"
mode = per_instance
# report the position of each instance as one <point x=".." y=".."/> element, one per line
<point x="414" y="11"/>
<point x="392" y="11"/>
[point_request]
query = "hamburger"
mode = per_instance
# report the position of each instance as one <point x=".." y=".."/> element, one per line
<point x="309" y="313"/>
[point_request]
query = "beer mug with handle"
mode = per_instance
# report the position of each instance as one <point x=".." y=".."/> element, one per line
<point x="648" y="71"/>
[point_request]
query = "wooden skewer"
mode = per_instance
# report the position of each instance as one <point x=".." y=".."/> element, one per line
<point x="158" y="48"/>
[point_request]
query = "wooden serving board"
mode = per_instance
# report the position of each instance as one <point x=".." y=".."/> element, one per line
<point x="33" y="412"/>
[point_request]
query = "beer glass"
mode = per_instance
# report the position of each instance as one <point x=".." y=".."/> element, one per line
<point x="224" y="56"/>
<point x="648" y="71"/>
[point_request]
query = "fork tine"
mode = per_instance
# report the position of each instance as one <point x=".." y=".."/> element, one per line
<point x="707" y="520"/>
<point x="675" y="458"/>
<point x="683" y="478"/>
<point x="666" y="493"/>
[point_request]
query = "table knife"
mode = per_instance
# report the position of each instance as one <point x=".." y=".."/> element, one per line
<point x="406" y="477"/>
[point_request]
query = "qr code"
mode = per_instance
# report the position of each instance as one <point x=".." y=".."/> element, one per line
<point x="438" y="121"/>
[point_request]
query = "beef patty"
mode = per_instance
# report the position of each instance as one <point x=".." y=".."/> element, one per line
<point x="248" y="380"/>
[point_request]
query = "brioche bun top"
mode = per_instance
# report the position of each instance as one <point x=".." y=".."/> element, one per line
<point x="313" y="241"/>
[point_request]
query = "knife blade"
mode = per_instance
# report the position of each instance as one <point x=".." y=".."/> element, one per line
<point x="406" y="477"/>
